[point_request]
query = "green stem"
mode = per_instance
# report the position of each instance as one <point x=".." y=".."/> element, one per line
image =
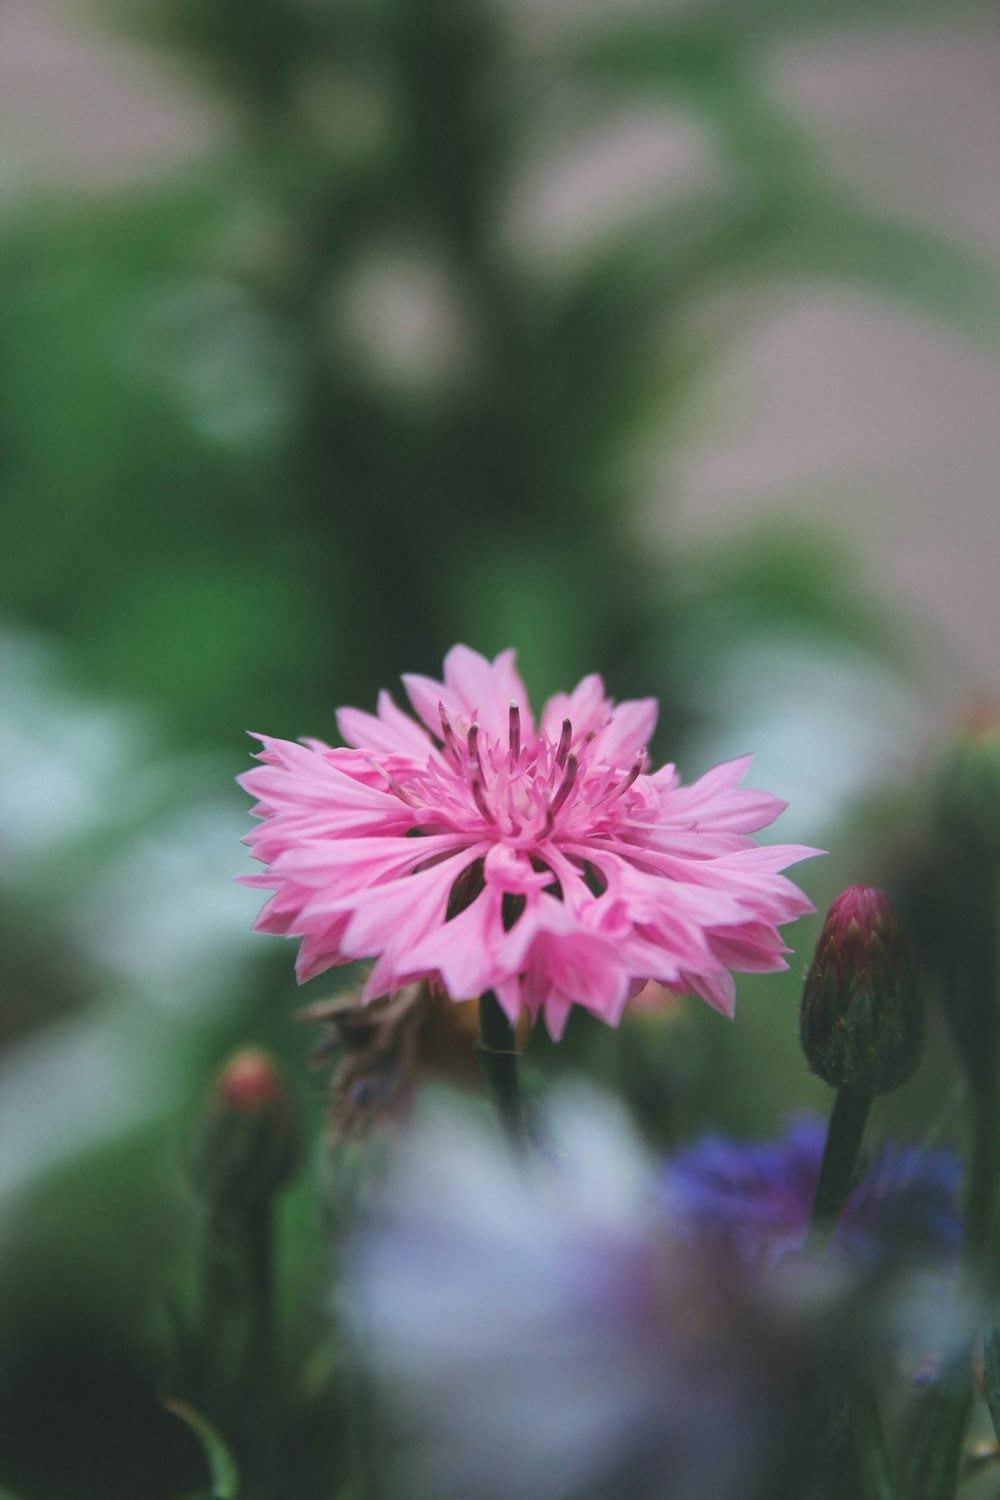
<point x="868" y="1438"/>
<point x="238" y="1334"/>
<point x="981" y="1219"/>
<point x="866" y="1451"/>
<point x="933" y="1456"/>
<point x="498" y="1055"/>
<point x="843" y="1142"/>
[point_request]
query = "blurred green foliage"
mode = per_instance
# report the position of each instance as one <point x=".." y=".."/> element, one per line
<point x="277" y="429"/>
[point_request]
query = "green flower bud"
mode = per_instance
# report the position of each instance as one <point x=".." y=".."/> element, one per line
<point x="862" y="1022"/>
<point x="248" y="1147"/>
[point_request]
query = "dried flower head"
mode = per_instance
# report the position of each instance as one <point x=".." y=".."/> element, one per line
<point x="385" y="1049"/>
<point x="545" y="863"/>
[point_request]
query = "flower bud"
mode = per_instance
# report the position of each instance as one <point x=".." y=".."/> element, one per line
<point x="247" y="1149"/>
<point x="862" y="1022"/>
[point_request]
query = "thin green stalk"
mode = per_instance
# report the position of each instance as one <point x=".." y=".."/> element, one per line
<point x="866" y="1451"/>
<point x="238" y="1333"/>
<point x="840" y="1154"/>
<point x="933" y="1457"/>
<point x="868" y="1440"/>
<point x="498" y="1055"/>
<point x="981" y="1219"/>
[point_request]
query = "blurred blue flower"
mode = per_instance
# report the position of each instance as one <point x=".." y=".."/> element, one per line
<point x="755" y="1197"/>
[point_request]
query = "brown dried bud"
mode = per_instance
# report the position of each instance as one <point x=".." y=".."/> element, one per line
<point x="388" y="1046"/>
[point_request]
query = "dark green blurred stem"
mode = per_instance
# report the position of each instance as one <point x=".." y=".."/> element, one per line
<point x="980" y="1207"/>
<point x="944" y="1411"/>
<point x="865" y="1455"/>
<point x="868" y="1439"/>
<point x="238" y="1334"/>
<point x="974" y="988"/>
<point x="840" y="1154"/>
<point x="932" y="1458"/>
<point x="498" y="1055"/>
<point x="972" y="1004"/>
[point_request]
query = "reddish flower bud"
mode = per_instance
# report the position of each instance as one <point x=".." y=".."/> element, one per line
<point x="248" y="1145"/>
<point x="250" y="1082"/>
<point x="862" y="1018"/>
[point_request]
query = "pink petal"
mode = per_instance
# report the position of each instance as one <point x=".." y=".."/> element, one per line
<point x="628" y="733"/>
<point x="485" y="690"/>
<point x="391" y="732"/>
<point x="716" y="987"/>
<point x="586" y="708"/>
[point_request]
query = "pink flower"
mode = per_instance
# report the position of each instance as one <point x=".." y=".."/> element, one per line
<point x="544" y="863"/>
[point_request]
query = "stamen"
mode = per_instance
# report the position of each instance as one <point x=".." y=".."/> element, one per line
<point x="448" y="734"/>
<point x="623" y="786"/>
<point x="514" y="732"/>
<point x="393" y="784"/>
<point x="473" y="743"/>
<point x="477" y="784"/>
<point x="564" y="742"/>
<point x="565" y="787"/>
<point x="479" y="798"/>
<point x="635" y="772"/>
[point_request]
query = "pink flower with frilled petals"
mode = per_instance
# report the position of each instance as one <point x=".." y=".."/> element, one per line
<point x="545" y="863"/>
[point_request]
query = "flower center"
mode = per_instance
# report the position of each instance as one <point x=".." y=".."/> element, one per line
<point x="522" y="790"/>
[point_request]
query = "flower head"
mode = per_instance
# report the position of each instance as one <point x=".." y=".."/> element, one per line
<point x="544" y="862"/>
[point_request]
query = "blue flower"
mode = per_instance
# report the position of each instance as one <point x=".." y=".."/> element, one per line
<point x="754" y="1198"/>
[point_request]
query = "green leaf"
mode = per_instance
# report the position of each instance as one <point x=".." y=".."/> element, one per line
<point x="742" y="27"/>
<point x="225" y="1477"/>
<point x="905" y="261"/>
<point x="718" y="81"/>
<point x="797" y="219"/>
<point x="785" y="18"/>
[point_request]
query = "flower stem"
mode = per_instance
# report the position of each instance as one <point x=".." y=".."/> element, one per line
<point x="498" y="1055"/>
<point x="238" y="1326"/>
<point x="933" y="1458"/>
<point x="869" y="1444"/>
<point x="843" y="1142"/>
<point x="865" y="1450"/>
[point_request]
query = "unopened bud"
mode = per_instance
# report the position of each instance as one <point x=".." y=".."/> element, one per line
<point x="862" y="1017"/>
<point x="248" y="1146"/>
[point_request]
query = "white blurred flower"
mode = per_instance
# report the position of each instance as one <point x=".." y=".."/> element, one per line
<point x="540" y="1332"/>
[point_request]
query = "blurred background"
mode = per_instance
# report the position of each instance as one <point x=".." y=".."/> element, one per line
<point x="653" y="339"/>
